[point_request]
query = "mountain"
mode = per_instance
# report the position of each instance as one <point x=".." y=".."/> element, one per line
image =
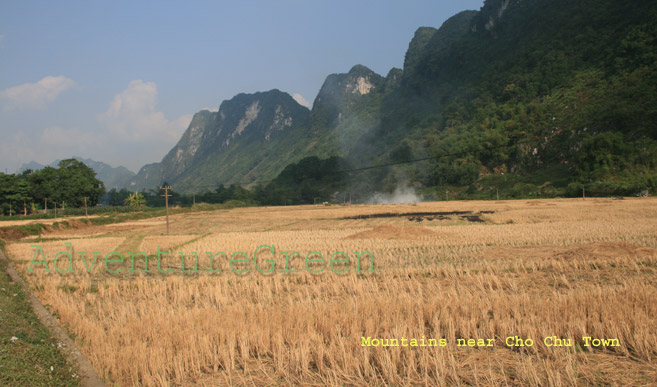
<point x="250" y="137"/>
<point x="112" y="177"/>
<point x="534" y="97"/>
<point x="253" y="137"/>
<point x="557" y="95"/>
<point x="34" y="166"/>
<point x="348" y="108"/>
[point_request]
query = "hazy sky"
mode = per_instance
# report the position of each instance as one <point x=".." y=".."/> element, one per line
<point x="118" y="81"/>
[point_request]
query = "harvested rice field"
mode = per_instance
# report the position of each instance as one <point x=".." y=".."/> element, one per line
<point x="520" y="293"/>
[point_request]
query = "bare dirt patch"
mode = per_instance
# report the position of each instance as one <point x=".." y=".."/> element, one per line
<point x="10" y="234"/>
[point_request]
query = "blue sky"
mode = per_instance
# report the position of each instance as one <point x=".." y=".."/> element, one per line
<point x="118" y="81"/>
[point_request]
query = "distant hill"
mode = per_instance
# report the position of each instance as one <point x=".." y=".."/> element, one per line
<point x="113" y="177"/>
<point x="253" y="137"/>
<point x="533" y="97"/>
<point x="250" y="137"/>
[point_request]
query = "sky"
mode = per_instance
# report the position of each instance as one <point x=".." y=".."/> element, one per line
<point x="119" y="81"/>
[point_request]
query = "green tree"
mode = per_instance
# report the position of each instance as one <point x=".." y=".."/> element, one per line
<point x="117" y="198"/>
<point x="69" y="183"/>
<point x="15" y="193"/>
<point x="77" y="180"/>
<point x="135" y="200"/>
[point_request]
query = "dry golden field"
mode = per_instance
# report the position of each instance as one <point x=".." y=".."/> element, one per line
<point x="579" y="273"/>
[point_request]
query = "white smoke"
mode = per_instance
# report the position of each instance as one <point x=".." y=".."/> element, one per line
<point x="402" y="195"/>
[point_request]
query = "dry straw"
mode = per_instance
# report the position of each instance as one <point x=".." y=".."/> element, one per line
<point x="564" y="268"/>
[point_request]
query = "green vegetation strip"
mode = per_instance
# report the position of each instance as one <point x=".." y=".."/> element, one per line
<point x="34" y="349"/>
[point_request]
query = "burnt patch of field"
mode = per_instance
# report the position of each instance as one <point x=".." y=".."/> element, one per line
<point x="470" y="216"/>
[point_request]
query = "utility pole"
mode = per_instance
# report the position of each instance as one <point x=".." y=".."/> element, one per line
<point x="166" y="195"/>
<point x="498" y="194"/>
<point x="45" y="206"/>
<point x="583" y="194"/>
<point x="193" y="199"/>
<point x="10" y="208"/>
<point x="55" y="208"/>
<point x="446" y="195"/>
<point x="24" y="209"/>
<point x="85" y="209"/>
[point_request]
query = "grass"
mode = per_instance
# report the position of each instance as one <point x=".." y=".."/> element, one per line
<point x="28" y="354"/>
<point x="74" y="211"/>
<point x="122" y="212"/>
<point x="15" y="232"/>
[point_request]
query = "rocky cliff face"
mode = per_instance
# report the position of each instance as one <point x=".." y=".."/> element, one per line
<point x="342" y="93"/>
<point x="429" y="46"/>
<point x="252" y="137"/>
<point x="468" y="81"/>
<point x="183" y="155"/>
<point x="245" y="121"/>
<point x="259" y="117"/>
<point x="491" y="13"/>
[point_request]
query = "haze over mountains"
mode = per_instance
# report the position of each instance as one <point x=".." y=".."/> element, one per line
<point x="549" y="94"/>
<point x="113" y="177"/>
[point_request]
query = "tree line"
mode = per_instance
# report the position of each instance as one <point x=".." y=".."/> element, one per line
<point x="309" y="181"/>
<point x="65" y="186"/>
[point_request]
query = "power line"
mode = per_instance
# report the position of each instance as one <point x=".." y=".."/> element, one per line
<point x="483" y="149"/>
<point x="430" y="158"/>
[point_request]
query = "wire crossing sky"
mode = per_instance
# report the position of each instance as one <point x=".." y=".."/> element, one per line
<point x="512" y="142"/>
<point x="119" y="81"/>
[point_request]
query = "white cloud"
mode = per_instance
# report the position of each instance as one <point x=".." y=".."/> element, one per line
<point x="35" y="95"/>
<point x="213" y="110"/>
<point x="300" y="100"/>
<point x="132" y="132"/>
<point x="132" y="117"/>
